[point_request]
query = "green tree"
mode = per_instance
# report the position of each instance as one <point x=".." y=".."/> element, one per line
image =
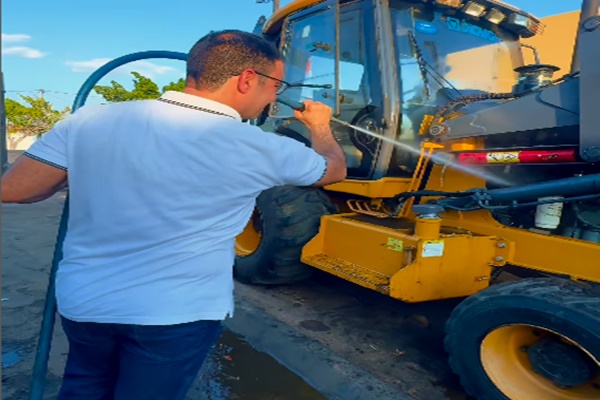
<point x="143" y="89"/>
<point x="33" y="119"/>
<point x="175" y="86"/>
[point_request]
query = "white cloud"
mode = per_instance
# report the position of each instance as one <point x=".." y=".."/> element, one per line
<point x="87" y="66"/>
<point x="145" y="68"/>
<point x="20" y="51"/>
<point x="151" y="68"/>
<point x="26" y="52"/>
<point x="12" y="38"/>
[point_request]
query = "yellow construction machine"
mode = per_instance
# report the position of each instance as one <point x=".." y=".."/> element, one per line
<point x="463" y="163"/>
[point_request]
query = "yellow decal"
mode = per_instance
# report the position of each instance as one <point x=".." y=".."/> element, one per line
<point x="507" y="157"/>
<point x="395" y="245"/>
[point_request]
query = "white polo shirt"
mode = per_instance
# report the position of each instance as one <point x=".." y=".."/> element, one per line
<point x="158" y="192"/>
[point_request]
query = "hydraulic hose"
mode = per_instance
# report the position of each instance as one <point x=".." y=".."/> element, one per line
<point x="40" y="366"/>
<point x="568" y="187"/>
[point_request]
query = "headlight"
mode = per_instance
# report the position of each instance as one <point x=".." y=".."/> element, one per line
<point x="495" y="16"/>
<point x="532" y="26"/>
<point x="474" y="9"/>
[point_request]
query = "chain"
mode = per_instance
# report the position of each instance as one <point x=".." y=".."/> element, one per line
<point x="421" y="62"/>
<point x="185" y="105"/>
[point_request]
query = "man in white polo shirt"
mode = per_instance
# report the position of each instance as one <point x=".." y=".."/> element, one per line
<point x="158" y="190"/>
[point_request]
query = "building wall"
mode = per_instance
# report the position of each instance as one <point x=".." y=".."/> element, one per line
<point x="556" y="44"/>
<point x="22" y="145"/>
<point x="555" y="47"/>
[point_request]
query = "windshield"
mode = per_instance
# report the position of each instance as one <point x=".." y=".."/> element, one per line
<point x="441" y="57"/>
<point x="437" y="51"/>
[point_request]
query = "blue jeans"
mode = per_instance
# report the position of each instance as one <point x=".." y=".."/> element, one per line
<point x="134" y="362"/>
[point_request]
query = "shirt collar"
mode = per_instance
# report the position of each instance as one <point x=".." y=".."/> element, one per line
<point x="201" y="102"/>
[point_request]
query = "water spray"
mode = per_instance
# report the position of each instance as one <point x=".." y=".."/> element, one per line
<point x="436" y="158"/>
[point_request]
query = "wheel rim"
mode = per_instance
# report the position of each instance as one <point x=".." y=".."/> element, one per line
<point x="247" y="242"/>
<point x="529" y="362"/>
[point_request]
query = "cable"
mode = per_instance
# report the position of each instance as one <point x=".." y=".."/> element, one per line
<point x="58" y="97"/>
<point x="44" y="91"/>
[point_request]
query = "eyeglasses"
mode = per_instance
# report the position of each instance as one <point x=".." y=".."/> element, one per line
<point x="283" y="85"/>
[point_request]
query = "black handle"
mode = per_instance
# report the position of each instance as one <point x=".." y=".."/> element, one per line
<point x="291" y="103"/>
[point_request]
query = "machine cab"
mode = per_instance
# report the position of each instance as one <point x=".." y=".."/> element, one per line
<point x="386" y="65"/>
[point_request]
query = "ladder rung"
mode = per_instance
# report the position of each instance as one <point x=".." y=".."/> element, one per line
<point x="353" y="272"/>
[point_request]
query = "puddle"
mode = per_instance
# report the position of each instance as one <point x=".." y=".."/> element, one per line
<point x="10" y="358"/>
<point x="238" y="371"/>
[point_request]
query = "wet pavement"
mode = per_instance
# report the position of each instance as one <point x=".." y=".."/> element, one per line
<point x="349" y="342"/>
<point x="320" y="339"/>
<point x="238" y="371"/>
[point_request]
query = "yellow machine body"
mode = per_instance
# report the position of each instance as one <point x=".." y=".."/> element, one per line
<point x="411" y="261"/>
<point x="415" y="260"/>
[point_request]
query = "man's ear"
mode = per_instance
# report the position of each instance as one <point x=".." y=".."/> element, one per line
<point x="246" y="80"/>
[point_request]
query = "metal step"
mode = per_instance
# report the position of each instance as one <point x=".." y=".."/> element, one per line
<point x="352" y="272"/>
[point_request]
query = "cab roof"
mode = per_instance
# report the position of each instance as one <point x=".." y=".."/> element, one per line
<point x="276" y="19"/>
<point x="278" y="16"/>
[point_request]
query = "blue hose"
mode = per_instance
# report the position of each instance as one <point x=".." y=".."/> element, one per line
<point x="42" y="355"/>
<point x="89" y="84"/>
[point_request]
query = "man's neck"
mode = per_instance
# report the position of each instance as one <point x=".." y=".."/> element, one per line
<point x="214" y="96"/>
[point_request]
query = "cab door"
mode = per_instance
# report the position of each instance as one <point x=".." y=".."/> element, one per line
<point x="330" y="57"/>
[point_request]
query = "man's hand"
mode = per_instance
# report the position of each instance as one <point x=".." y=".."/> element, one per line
<point x="315" y="115"/>
<point x="29" y="181"/>
<point x="317" y="118"/>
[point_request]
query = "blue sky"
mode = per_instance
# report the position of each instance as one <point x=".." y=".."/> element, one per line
<point x="55" y="45"/>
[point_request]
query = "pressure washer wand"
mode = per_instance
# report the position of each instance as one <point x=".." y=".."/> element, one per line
<point x="296" y="105"/>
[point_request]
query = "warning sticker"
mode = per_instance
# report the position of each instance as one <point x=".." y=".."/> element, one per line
<point x="433" y="248"/>
<point x="507" y="157"/>
<point x="395" y="245"/>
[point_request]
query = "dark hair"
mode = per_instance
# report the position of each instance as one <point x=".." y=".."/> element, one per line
<point x="220" y="55"/>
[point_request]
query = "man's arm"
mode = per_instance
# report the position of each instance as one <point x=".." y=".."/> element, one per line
<point x="324" y="144"/>
<point x="317" y="118"/>
<point x="30" y="181"/>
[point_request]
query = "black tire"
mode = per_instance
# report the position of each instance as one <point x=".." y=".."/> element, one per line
<point x="289" y="217"/>
<point x="557" y="305"/>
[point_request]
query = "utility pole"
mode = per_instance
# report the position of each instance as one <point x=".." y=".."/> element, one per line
<point x="3" y="150"/>
<point x="276" y="3"/>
